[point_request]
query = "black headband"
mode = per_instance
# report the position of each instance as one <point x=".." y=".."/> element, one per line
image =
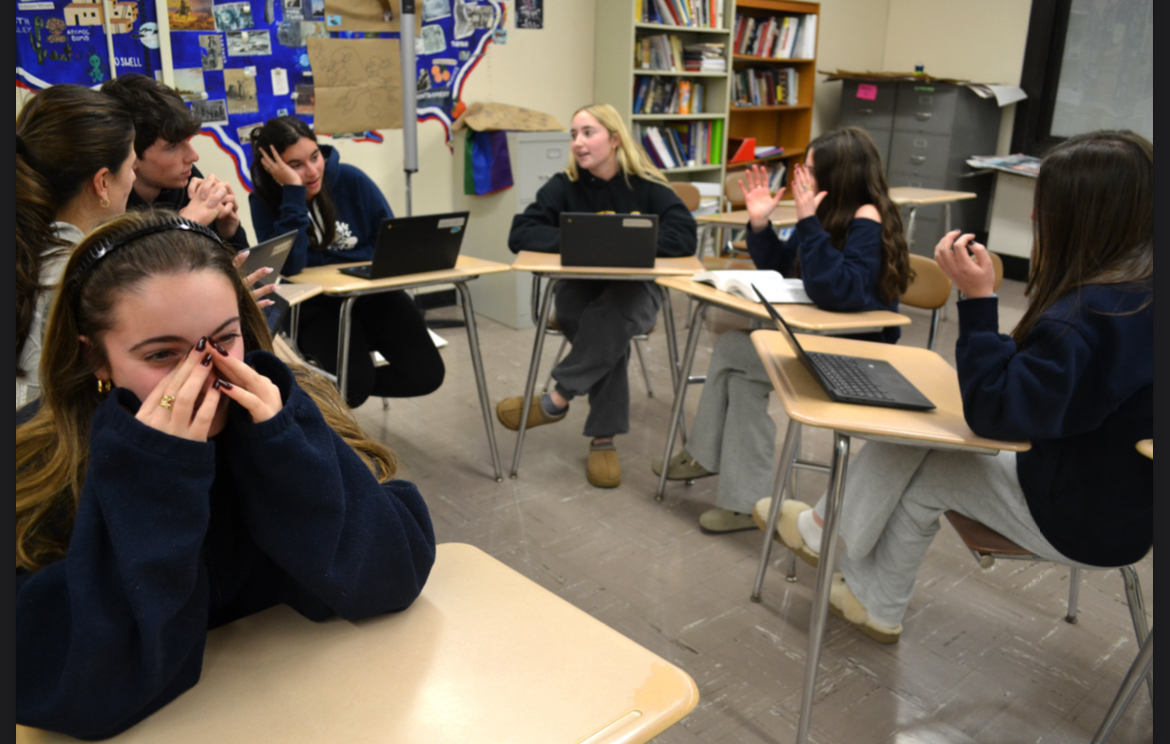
<point x="104" y="247"/>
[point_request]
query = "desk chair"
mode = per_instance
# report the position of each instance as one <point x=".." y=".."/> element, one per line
<point x="734" y="200"/>
<point x="928" y="290"/>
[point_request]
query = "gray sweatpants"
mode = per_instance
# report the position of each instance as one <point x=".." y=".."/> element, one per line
<point x="733" y="434"/>
<point x="600" y="318"/>
<point x="894" y="497"/>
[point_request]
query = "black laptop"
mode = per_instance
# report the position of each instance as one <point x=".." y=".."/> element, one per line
<point x="628" y="241"/>
<point x="849" y="379"/>
<point x="415" y="245"/>
<point x="271" y="253"/>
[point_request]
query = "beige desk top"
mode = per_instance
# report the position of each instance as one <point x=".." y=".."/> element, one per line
<point x="1146" y="447"/>
<point x="805" y="400"/>
<point x="333" y="281"/>
<point x="805" y="317"/>
<point x="785" y="214"/>
<point x="550" y="263"/>
<point x="295" y="294"/>
<point x="484" y="655"/>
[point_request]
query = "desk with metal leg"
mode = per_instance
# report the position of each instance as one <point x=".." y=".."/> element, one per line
<point x="349" y="288"/>
<point x="804" y="317"/>
<point x="548" y="265"/>
<point x="806" y="403"/>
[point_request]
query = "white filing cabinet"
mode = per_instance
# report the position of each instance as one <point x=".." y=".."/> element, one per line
<point x="536" y="157"/>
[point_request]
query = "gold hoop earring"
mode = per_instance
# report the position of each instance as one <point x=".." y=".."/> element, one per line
<point x="105" y="203"/>
<point x="104" y="387"/>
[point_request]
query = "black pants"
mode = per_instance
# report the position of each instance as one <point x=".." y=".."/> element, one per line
<point x="389" y="323"/>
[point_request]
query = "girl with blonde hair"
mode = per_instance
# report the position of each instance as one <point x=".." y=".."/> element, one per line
<point x="608" y="172"/>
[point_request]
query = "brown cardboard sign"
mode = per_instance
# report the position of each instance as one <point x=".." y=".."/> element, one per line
<point x="357" y="84"/>
<point x="486" y="117"/>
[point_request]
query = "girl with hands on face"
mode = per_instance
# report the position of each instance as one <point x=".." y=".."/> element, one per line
<point x="849" y="252"/>
<point x="178" y="476"/>
<point x="337" y="213"/>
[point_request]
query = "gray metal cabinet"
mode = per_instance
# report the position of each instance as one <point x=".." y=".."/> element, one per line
<point x="925" y="132"/>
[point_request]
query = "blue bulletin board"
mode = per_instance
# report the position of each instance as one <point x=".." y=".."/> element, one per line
<point x="239" y="63"/>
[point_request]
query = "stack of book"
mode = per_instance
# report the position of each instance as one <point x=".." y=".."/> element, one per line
<point x="771" y="86"/>
<point x="693" y="13"/>
<point x="659" y="52"/>
<point x="683" y="145"/>
<point x="776" y="37"/>
<point x="658" y="95"/>
<point x="704" y="58"/>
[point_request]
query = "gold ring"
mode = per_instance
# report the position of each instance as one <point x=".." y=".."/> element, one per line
<point x="168" y="402"/>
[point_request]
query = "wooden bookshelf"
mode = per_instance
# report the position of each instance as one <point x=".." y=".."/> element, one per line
<point x="616" y="77"/>
<point x="779" y="126"/>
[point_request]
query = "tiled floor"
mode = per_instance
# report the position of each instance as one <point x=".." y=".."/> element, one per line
<point x="985" y="655"/>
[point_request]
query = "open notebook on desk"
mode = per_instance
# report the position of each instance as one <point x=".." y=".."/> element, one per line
<point x="772" y="285"/>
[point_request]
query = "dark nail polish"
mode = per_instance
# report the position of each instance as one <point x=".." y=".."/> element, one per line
<point x="222" y="385"/>
<point x="202" y="344"/>
<point x="207" y="359"/>
<point x="219" y="348"/>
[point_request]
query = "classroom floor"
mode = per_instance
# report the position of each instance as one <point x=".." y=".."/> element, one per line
<point x="985" y="655"/>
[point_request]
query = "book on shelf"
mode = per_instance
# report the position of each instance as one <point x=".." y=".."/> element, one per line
<point x="767" y="151"/>
<point x="765" y="86"/>
<point x="772" y="284"/>
<point x="661" y="95"/>
<point x="741" y="150"/>
<point x="680" y="144"/>
<point x="692" y="13"/>
<point x="706" y="57"/>
<point x="776" y="37"/>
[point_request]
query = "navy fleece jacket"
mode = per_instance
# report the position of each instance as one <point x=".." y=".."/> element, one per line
<point x="174" y="537"/>
<point x="358" y="205"/>
<point x="1081" y="388"/>
<point x="537" y="228"/>
<point x="841" y="281"/>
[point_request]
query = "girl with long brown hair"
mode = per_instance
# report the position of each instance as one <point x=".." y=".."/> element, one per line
<point x="178" y="476"/>
<point x="849" y="250"/>
<point x="1075" y="377"/>
<point x="63" y="191"/>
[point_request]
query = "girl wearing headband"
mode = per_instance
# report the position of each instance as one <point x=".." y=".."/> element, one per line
<point x="178" y="476"/>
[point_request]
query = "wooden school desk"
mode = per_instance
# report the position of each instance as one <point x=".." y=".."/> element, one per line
<point x="806" y="403"/>
<point x="803" y="317"/>
<point x="349" y="288"/>
<point x="483" y="655"/>
<point x="548" y="265"/>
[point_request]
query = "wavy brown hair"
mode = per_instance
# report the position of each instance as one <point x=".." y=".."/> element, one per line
<point x="1093" y="219"/>
<point x="51" y="169"/>
<point x="283" y="132"/>
<point x="52" y="449"/>
<point x="847" y="165"/>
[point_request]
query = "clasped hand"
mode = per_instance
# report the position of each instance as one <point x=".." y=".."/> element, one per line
<point x="966" y="263"/>
<point x="193" y="402"/>
<point x="212" y="200"/>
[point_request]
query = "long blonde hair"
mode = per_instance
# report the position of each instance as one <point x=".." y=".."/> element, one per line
<point x="630" y="155"/>
<point x="52" y="449"/>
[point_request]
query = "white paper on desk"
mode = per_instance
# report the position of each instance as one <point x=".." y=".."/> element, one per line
<point x="775" y="288"/>
<point x="1004" y="94"/>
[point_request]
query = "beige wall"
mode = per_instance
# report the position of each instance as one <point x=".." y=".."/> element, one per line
<point x="851" y="37"/>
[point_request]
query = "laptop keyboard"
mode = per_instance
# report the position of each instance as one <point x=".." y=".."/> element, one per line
<point x="847" y="376"/>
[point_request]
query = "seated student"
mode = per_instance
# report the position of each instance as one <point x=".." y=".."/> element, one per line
<point x="178" y="476"/>
<point x="850" y="252"/>
<point x="337" y="211"/>
<point x="1075" y="377"/>
<point x="167" y="176"/>
<point x="608" y="172"/>
<point x="62" y="192"/>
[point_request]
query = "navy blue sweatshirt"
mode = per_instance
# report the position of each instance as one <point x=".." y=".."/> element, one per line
<point x="842" y="281"/>
<point x="176" y="199"/>
<point x="358" y="206"/>
<point x="1081" y="388"/>
<point x="537" y="228"/>
<point x="174" y="537"/>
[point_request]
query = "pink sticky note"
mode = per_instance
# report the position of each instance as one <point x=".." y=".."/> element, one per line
<point x="867" y="92"/>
